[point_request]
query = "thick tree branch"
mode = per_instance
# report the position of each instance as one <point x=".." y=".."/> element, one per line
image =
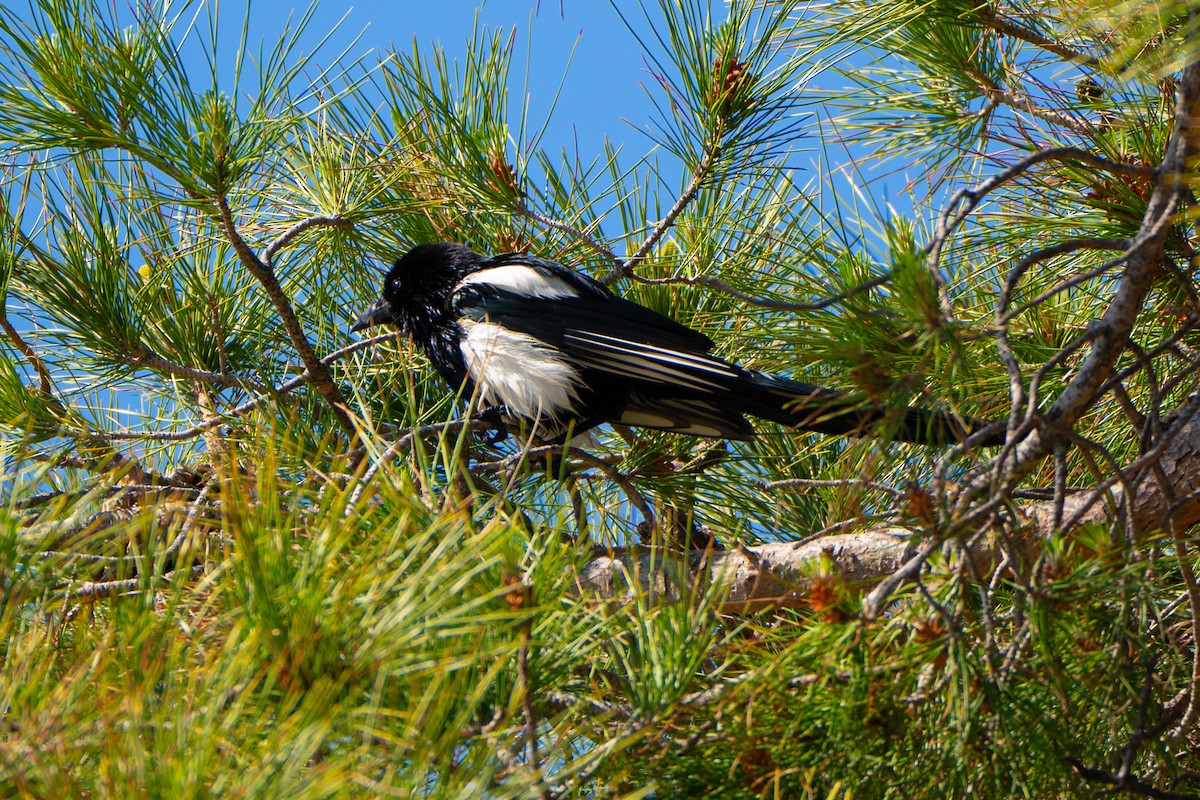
<point x="1109" y="335"/>
<point x="781" y="575"/>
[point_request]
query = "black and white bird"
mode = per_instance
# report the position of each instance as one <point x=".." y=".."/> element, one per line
<point x="557" y="352"/>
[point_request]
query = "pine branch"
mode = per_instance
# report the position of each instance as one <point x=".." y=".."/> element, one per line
<point x="1007" y="27"/>
<point x="286" y="238"/>
<point x="1021" y="102"/>
<point x="719" y="285"/>
<point x="317" y="370"/>
<point x="782" y="575"/>
<point x="700" y="174"/>
<point x="1106" y="336"/>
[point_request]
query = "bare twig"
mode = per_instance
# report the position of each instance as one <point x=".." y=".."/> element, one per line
<point x="1067" y="284"/>
<point x="778" y="305"/>
<point x="1129" y="784"/>
<point x="250" y="405"/>
<point x="1184" y="559"/>
<point x="150" y="360"/>
<point x="600" y="249"/>
<point x="404" y="440"/>
<point x="636" y="499"/>
<point x="699" y="176"/>
<point x="1005" y="26"/>
<point x="1021" y="102"/>
<point x="808" y="483"/>
<point x="1062" y="248"/>
<point x="527" y="689"/>
<point x="589" y="705"/>
<point x="1185" y="327"/>
<point x="964" y="201"/>
<point x="190" y="520"/>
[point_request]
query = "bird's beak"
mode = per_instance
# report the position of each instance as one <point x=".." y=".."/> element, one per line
<point x="378" y="314"/>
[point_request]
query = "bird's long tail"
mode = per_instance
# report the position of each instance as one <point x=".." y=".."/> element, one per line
<point x="811" y="408"/>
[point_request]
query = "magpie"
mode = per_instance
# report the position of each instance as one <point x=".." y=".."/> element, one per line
<point x="556" y="351"/>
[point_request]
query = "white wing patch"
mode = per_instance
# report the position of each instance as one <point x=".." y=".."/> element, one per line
<point x="522" y="280"/>
<point x="518" y="371"/>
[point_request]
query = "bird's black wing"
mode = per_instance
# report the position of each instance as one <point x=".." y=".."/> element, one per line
<point x="569" y="310"/>
<point x="661" y="369"/>
<point x="611" y="336"/>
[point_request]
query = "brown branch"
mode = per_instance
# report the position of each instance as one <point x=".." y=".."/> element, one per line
<point x="874" y="602"/>
<point x="1108" y="336"/>
<point x="1007" y="27"/>
<point x="44" y="383"/>
<point x="1127" y="784"/>
<point x="300" y="227"/>
<point x="1062" y="248"/>
<point x="150" y="360"/>
<point x="782" y="574"/>
<point x="777" y="305"/>
<point x="96" y="590"/>
<point x="753" y="578"/>
<point x="318" y="371"/>
<point x="572" y="231"/>
<point x="527" y="689"/>
<point x="1021" y="102"/>
<point x="250" y="405"/>
<point x="964" y="201"/>
<point x="699" y="176"/>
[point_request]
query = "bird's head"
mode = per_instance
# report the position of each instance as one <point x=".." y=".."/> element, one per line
<point x="416" y="288"/>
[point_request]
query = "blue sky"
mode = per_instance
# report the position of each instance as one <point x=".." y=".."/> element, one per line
<point x="587" y="41"/>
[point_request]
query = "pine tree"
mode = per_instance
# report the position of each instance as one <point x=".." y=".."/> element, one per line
<point x="243" y="553"/>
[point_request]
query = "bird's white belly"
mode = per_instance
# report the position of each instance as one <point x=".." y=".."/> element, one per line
<point x="518" y="371"/>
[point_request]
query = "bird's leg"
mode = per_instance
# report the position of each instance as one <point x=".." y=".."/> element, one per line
<point x="494" y="417"/>
<point x="681" y="530"/>
<point x="578" y="510"/>
<point x="626" y="433"/>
